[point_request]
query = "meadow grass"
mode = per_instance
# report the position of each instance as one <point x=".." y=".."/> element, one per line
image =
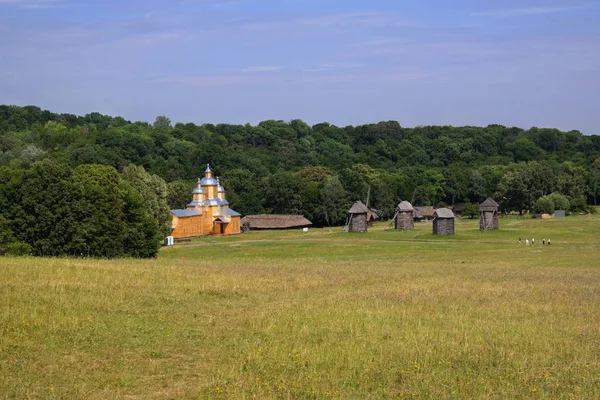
<point x="294" y="315"/>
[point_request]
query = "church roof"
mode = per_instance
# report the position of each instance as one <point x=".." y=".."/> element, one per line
<point x="220" y="189"/>
<point x="207" y="168"/>
<point x="209" y="202"/>
<point x="198" y="190"/>
<point x="227" y="212"/>
<point x="190" y="212"/>
<point x="208" y="181"/>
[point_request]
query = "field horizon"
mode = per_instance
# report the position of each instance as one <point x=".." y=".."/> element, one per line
<point x="294" y="315"/>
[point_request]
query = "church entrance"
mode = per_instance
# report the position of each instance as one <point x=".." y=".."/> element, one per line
<point x="219" y="226"/>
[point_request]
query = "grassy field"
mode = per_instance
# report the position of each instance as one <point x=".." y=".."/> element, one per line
<point x="294" y="315"/>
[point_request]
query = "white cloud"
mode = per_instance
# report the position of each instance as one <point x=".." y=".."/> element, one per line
<point x="263" y="68"/>
<point x="509" y="12"/>
<point x="32" y="3"/>
<point x="322" y="69"/>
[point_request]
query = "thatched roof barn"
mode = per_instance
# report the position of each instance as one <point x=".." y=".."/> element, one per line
<point x="443" y="222"/>
<point x="275" y="221"/>
<point x="488" y="215"/>
<point x="421" y="213"/>
<point x="371" y="217"/>
<point x="358" y="217"/>
<point x="404" y="216"/>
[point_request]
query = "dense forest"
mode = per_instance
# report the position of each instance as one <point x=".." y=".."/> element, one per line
<point x="102" y="186"/>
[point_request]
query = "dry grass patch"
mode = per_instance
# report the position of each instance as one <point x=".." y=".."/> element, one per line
<point x="317" y="316"/>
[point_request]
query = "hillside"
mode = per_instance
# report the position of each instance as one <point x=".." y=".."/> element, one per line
<point x="291" y="167"/>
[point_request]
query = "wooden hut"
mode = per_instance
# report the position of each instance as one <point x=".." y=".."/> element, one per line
<point x="443" y="222"/>
<point x="488" y="215"/>
<point x="371" y="217"/>
<point x="458" y="208"/>
<point x="358" y="217"/>
<point x="274" y="221"/>
<point x="423" y="213"/>
<point x="404" y="216"/>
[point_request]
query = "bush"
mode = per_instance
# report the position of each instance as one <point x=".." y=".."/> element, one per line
<point x="544" y="205"/>
<point x="471" y="210"/>
<point x="18" y="249"/>
<point x="578" y="204"/>
<point x="560" y="201"/>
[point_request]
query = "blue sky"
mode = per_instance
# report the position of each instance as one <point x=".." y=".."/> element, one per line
<point x="462" y="62"/>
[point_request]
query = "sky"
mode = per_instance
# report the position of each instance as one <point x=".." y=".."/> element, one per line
<point x="431" y="62"/>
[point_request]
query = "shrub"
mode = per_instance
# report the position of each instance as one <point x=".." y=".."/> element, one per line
<point x="544" y="205"/>
<point x="18" y="249"/>
<point x="471" y="210"/>
<point x="560" y="201"/>
<point x="578" y="204"/>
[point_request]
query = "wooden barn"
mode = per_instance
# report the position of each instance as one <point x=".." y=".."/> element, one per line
<point x="443" y="222"/>
<point x="404" y="216"/>
<point x="358" y="217"/>
<point x="371" y="217"/>
<point x="458" y="208"/>
<point x="488" y="215"/>
<point x="207" y="214"/>
<point x="423" y="213"/>
<point x="275" y="221"/>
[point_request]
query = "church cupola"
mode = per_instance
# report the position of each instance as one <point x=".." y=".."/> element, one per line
<point x="208" y="180"/>
<point x="198" y="195"/>
<point x="220" y="190"/>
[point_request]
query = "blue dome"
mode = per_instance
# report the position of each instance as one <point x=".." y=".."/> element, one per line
<point x="208" y="181"/>
<point x="220" y="189"/>
<point x="198" y="190"/>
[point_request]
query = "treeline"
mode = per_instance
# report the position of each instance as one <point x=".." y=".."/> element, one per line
<point x="291" y="167"/>
<point x="51" y="209"/>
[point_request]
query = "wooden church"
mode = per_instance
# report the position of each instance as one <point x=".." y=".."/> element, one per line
<point x="207" y="214"/>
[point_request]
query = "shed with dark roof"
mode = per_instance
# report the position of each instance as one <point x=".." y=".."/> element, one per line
<point x="358" y="217"/>
<point x="404" y="216"/>
<point x="443" y="222"/>
<point x="459" y="208"/>
<point x="488" y="215"/>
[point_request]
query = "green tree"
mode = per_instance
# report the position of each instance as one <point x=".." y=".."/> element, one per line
<point x="47" y="218"/>
<point x="333" y="202"/>
<point x="98" y="206"/>
<point x="524" y="149"/>
<point x="162" y="122"/>
<point x="594" y="185"/>
<point x="142" y="234"/>
<point x="282" y="194"/>
<point x="560" y="201"/>
<point x="544" y="205"/>
<point x="6" y="234"/>
<point x="153" y="190"/>
<point x="179" y="194"/>
<point x="477" y="190"/>
<point x="471" y="210"/>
